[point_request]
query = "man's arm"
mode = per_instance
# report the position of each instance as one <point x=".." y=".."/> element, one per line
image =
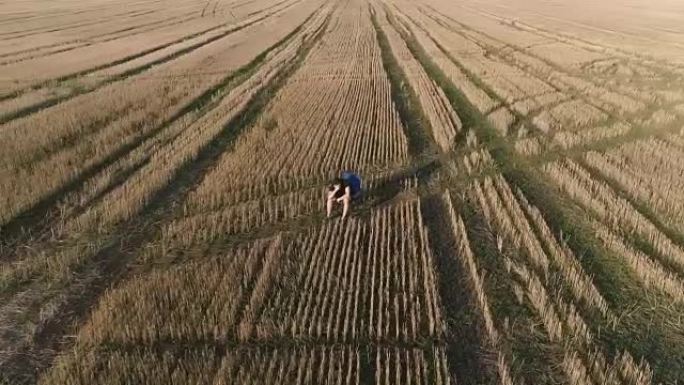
<point x="347" y="194"/>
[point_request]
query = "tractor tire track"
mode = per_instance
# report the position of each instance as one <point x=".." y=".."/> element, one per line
<point x="69" y="140"/>
<point x="137" y="29"/>
<point x="143" y="9"/>
<point x="39" y="218"/>
<point x="637" y="131"/>
<point x="110" y="263"/>
<point x="127" y="74"/>
<point x="25" y="54"/>
<point x="585" y="45"/>
<point x="132" y="71"/>
<point x="36" y="31"/>
<point x="464" y="335"/>
<point x="570" y="92"/>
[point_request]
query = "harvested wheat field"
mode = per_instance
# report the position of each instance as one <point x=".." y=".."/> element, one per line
<point x="163" y="176"/>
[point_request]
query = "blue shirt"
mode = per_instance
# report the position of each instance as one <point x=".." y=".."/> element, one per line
<point x="353" y="181"/>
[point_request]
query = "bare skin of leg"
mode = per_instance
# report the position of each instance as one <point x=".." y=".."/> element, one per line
<point x="345" y="205"/>
<point x="346" y="202"/>
<point x="329" y="205"/>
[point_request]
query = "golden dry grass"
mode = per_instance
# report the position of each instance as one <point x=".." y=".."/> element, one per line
<point x="162" y="192"/>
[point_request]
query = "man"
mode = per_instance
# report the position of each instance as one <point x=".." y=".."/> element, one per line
<point x="344" y="190"/>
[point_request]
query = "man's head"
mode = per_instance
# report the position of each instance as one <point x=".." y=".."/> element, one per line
<point x="335" y="184"/>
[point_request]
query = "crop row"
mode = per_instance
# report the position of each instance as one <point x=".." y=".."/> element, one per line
<point x="529" y="146"/>
<point x="540" y="268"/>
<point x="248" y="205"/>
<point x="128" y="198"/>
<point x="251" y="366"/>
<point x="345" y="281"/>
<point x="554" y="98"/>
<point x="651" y="273"/>
<point x="243" y="217"/>
<point x="545" y="60"/>
<point x="572" y="115"/>
<point x="51" y="148"/>
<point x="510" y="216"/>
<point x="34" y="44"/>
<point x="161" y="160"/>
<point x="335" y="113"/>
<point x="247" y="190"/>
<point x="363" y="279"/>
<point x="569" y="139"/>
<point x="431" y="37"/>
<point x="583" y="361"/>
<point x="100" y="75"/>
<point x="509" y="82"/>
<point x="45" y="25"/>
<point x="614" y="210"/>
<point x="411" y="366"/>
<point x="201" y="300"/>
<point x="650" y="171"/>
<point x="442" y="119"/>
<point x="174" y="24"/>
<point x="233" y="212"/>
<point x="468" y="260"/>
<point x="479" y="98"/>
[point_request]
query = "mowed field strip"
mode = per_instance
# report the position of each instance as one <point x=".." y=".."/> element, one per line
<point x="163" y="166"/>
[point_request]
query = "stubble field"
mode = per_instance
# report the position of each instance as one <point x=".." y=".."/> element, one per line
<point x="163" y="167"/>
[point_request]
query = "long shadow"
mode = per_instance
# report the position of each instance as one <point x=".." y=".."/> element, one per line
<point x="463" y="340"/>
<point x="463" y="337"/>
<point x="388" y="188"/>
<point x="39" y="218"/>
<point x="406" y="101"/>
<point x="112" y="261"/>
<point x="383" y="192"/>
<point x="648" y="212"/>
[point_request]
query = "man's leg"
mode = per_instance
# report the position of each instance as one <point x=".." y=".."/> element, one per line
<point x="329" y="205"/>
<point x="345" y="208"/>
